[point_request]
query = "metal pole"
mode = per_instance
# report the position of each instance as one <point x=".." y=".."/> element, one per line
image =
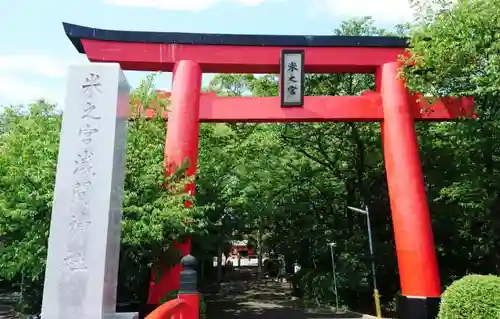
<point x="334" y="279"/>
<point x="372" y="255"/>
<point x="376" y="294"/>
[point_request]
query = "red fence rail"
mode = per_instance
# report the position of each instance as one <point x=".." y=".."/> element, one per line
<point x="172" y="309"/>
<point x="187" y="303"/>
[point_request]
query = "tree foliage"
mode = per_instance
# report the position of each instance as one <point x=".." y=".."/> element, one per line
<point x="153" y="215"/>
<point x="454" y="52"/>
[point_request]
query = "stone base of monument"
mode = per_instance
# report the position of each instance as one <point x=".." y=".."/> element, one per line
<point x="123" y="315"/>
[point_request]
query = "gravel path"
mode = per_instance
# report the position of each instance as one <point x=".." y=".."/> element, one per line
<point x="248" y="298"/>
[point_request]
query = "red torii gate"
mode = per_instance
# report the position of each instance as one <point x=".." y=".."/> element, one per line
<point x="188" y="55"/>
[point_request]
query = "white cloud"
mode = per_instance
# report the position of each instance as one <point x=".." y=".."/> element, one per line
<point x="382" y="10"/>
<point x="15" y="90"/>
<point x="250" y="2"/>
<point x="24" y="77"/>
<point x="394" y="11"/>
<point x="174" y="5"/>
<point x="41" y="65"/>
<point x="53" y="67"/>
<point x="178" y="5"/>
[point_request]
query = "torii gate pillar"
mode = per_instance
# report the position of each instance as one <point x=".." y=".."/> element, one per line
<point x="181" y="144"/>
<point x="415" y="249"/>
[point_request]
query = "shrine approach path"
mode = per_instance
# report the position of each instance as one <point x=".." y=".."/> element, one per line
<point x="245" y="297"/>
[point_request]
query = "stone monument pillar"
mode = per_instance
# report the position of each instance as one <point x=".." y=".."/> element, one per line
<point x="84" y="239"/>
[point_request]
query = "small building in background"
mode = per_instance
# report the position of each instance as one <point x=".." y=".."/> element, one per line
<point x="241" y="248"/>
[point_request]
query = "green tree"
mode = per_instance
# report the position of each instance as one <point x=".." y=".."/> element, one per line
<point x="454" y="51"/>
<point x="153" y="215"/>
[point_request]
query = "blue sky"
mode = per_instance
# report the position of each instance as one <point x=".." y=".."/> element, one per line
<point x="35" y="53"/>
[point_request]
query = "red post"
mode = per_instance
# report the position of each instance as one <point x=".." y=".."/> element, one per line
<point x="192" y="302"/>
<point x="183" y="119"/>
<point x="181" y="144"/>
<point x="417" y="262"/>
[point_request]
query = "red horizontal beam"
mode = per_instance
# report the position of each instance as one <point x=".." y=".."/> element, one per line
<point x="268" y="109"/>
<point x="367" y="107"/>
<point x="236" y="59"/>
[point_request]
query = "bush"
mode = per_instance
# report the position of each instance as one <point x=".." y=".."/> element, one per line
<point x="317" y="286"/>
<point x="472" y="297"/>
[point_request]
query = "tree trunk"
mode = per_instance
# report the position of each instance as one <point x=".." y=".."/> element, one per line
<point x="219" y="261"/>
<point x="202" y="271"/>
<point x="259" y="250"/>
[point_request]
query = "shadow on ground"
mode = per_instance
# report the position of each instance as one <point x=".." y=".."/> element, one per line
<point x="246" y="297"/>
<point x="7" y="301"/>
